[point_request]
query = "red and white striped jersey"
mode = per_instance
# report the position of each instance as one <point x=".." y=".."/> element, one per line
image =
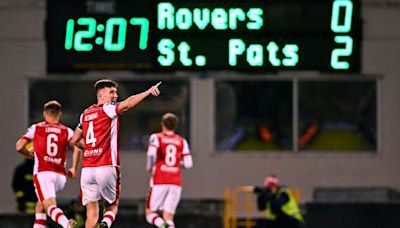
<point x="170" y="151"/>
<point x="100" y="126"/>
<point x="50" y="142"/>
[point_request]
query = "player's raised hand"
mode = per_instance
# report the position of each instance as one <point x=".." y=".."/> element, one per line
<point x="71" y="173"/>
<point x="31" y="153"/>
<point x="154" y="89"/>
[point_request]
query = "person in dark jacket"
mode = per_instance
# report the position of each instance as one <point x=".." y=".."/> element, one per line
<point x="22" y="185"/>
<point x="277" y="204"/>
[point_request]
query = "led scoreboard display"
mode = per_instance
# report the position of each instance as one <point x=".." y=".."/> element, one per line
<point x="241" y="35"/>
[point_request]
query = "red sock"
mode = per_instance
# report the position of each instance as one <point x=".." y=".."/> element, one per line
<point x="154" y="219"/>
<point x="57" y="215"/>
<point x="40" y="220"/>
<point x="108" y="218"/>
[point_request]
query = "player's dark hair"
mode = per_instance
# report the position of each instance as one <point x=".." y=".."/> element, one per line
<point x="170" y="121"/>
<point x="52" y="107"/>
<point x="105" y="83"/>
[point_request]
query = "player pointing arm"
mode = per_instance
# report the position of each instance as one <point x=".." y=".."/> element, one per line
<point x="134" y="100"/>
<point x="111" y="96"/>
<point x="97" y="134"/>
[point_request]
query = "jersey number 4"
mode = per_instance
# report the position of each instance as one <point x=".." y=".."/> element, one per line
<point x="90" y="138"/>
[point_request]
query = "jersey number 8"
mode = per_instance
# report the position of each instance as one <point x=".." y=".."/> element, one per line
<point x="170" y="155"/>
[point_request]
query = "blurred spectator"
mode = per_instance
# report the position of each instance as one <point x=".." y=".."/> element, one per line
<point x="308" y="135"/>
<point x="22" y="185"/>
<point x="277" y="204"/>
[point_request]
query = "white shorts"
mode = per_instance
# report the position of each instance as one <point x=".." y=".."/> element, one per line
<point x="100" y="183"/>
<point x="164" y="198"/>
<point x="48" y="184"/>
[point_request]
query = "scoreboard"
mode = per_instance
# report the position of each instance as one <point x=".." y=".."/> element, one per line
<point x="196" y="35"/>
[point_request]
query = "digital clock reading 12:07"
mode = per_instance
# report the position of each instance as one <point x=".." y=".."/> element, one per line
<point x="253" y="35"/>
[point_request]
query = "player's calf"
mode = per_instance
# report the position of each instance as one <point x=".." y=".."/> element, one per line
<point x="57" y="215"/>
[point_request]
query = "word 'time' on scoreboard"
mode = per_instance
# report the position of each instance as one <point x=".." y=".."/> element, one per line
<point x="251" y="35"/>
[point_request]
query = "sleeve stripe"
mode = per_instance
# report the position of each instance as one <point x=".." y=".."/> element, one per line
<point x="152" y="145"/>
<point x="24" y="137"/>
<point x="117" y="109"/>
<point x="70" y="133"/>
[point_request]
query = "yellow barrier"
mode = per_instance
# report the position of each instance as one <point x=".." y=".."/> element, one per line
<point x="240" y="209"/>
<point x="239" y="203"/>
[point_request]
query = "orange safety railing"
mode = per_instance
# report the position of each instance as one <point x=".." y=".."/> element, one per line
<point x="240" y="208"/>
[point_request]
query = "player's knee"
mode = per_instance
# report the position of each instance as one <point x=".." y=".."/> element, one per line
<point x="168" y="216"/>
<point x="39" y="207"/>
<point x="48" y="202"/>
<point x="148" y="211"/>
